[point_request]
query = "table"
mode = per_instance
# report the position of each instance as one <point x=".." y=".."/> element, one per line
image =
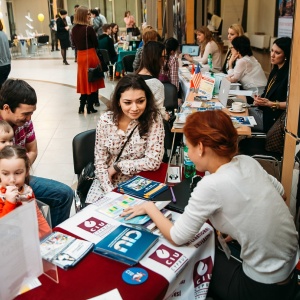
<point x="243" y="130"/>
<point x="121" y="54"/>
<point x="95" y="274"/>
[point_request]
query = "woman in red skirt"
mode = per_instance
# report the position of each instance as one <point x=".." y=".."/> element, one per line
<point x="85" y="41"/>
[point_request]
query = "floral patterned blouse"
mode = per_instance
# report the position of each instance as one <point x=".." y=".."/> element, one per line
<point x="140" y="153"/>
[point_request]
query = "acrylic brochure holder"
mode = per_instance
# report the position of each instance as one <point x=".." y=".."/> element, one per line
<point x="20" y="256"/>
<point x="50" y="270"/>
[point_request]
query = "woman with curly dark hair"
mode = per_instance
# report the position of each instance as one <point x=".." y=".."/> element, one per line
<point x="133" y="117"/>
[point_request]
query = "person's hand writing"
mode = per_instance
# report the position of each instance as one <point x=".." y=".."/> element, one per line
<point x="11" y="193"/>
<point x="134" y="211"/>
<point x="258" y="101"/>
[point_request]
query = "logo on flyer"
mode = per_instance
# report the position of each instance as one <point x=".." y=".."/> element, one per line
<point x="202" y="276"/>
<point x="169" y="257"/>
<point x="92" y="225"/>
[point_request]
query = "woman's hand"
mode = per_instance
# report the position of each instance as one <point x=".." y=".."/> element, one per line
<point x="67" y="28"/>
<point x="134" y="211"/>
<point x="111" y="172"/>
<point x="11" y="193"/>
<point x="232" y="59"/>
<point x="259" y="101"/>
<point x="188" y="57"/>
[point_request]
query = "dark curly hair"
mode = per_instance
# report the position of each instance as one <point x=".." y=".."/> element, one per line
<point x="134" y="82"/>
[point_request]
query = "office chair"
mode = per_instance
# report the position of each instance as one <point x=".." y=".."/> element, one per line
<point x="43" y="40"/>
<point x="127" y="62"/>
<point x="83" y="149"/>
<point x="108" y="62"/>
<point x="83" y="146"/>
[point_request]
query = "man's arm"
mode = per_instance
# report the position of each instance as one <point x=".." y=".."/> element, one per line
<point x="32" y="151"/>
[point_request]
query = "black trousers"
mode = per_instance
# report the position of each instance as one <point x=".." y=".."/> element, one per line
<point x="229" y="282"/>
<point x="4" y="72"/>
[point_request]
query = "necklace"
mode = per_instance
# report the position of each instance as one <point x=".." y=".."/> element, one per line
<point x="272" y="81"/>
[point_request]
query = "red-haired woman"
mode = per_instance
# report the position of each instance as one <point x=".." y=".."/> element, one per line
<point x="241" y="200"/>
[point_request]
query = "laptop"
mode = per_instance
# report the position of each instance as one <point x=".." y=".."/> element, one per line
<point x="182" y="193"/>
<point x="192" y="50"/>
<point x="224" y="91"/>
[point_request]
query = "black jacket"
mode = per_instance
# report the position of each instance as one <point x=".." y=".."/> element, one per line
<point x="106" y="42"/>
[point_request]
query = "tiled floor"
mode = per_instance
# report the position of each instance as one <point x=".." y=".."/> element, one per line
<point x="56" y="119"/>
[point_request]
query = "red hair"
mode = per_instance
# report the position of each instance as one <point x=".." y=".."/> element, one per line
<point x="214" y="129"/>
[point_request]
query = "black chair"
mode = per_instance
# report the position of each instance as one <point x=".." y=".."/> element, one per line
<point x="107" y="61"/>
<point x="171" y="104"/>
<point x="83" y="149"/>
<point x="127" y="62"/>
<point x="43" y="40"/>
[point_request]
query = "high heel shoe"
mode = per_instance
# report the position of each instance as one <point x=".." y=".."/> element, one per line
<point x="65" y="63"/>
<point x="92" y="111"/>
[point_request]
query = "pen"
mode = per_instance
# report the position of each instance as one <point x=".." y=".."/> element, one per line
<point x="173" y="196"/>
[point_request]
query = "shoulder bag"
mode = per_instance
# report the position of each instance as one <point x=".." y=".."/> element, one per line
<point x="87" y="177"/>
<point x="275" y="135"/>
<point x="93" y="73"/>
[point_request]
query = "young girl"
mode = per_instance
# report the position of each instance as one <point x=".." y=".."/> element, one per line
<point x="14" y="191"/>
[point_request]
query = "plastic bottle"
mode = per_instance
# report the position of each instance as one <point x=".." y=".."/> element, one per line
<point x="133" y="46"/>
<point x="189" y="167"/>
<point x="209" y="61"/>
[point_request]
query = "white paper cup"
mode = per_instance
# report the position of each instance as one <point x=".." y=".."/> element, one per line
<point x="237" y="106"/>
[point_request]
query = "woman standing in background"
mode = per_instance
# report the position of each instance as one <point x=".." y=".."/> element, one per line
<point x="86" y="43"/>
<point x="129" y="21"/>
<point x="63" y="34"/>
<point x="5" y="57"/>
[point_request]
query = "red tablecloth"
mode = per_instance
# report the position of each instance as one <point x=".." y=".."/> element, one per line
<point x="95" y="275"/>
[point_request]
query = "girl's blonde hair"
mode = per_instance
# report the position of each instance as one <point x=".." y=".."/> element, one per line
<point x="237" y="28"/>
<point x="81" y="16"/>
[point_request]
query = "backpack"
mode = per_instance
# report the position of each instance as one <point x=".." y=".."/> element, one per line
<point x="97" y="24"/>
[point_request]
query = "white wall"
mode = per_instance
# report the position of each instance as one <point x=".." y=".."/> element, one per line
<point x="21" y="9"/>
<point x="4" y="20"/>
<point x="261" y="16"/>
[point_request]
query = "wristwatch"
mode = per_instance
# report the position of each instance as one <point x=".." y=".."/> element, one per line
<point x="115" y="165"/>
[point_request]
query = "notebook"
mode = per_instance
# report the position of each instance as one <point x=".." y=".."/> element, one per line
<point x="224" y="91"/>
<point x="182" y="193"/>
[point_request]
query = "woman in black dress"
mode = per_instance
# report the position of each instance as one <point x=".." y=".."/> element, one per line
<point x="63" y="34"/>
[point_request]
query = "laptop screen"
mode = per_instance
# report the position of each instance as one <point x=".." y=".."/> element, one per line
<point x="192" y="50"/>
<point x="224" y="91"/>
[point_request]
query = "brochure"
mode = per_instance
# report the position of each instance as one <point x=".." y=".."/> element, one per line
<point x="142" y="187"/>
<point x="64" y="250"/>
<point x="113" y="204"/>
<point x="243" y="121"/>
<point x="125" y="244"/>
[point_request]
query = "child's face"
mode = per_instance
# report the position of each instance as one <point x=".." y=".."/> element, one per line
<point x="6" y="139"/>
<point x="12" y="172"/>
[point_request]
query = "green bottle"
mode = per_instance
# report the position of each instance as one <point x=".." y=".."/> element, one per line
<point x="209" y="61"/>
<point x="189" y="167"/>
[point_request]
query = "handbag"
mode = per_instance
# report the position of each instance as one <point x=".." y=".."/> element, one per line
<point x="87" y="177"/>
<point x="135" y="31"/>
<point x="275" y="135"/>
<point x="93" y="73"/>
